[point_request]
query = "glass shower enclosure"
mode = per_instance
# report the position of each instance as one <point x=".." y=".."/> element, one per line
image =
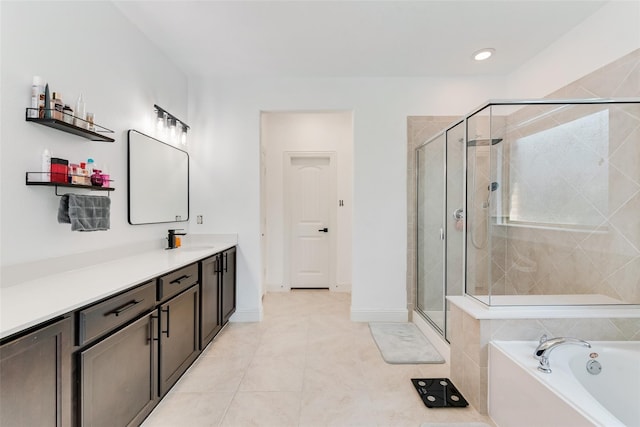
<point x="531" y="203"/>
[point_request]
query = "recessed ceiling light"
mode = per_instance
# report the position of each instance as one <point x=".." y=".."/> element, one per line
<point x="483" y="54"/>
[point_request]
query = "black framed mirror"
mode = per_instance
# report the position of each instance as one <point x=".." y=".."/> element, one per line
<point x="158" y="181"/>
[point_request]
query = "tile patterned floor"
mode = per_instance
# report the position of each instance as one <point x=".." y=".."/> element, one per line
<point x="306" y="365"/>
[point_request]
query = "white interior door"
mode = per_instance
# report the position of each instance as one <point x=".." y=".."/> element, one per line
<point x="310" y="185"/>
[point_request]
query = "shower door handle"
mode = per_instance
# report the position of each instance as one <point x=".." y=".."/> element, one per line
<point x="441" y="233"/>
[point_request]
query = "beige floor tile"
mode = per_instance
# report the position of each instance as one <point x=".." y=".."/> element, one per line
<point x="277" y="409"/>
<point x="213" y="374"/>
<point x="332" y="407"/>
<point x="307" y="364"/>
<point x="189" y="409"/>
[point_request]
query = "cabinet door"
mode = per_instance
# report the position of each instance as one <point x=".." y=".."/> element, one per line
<point x="118" y="376"/>
<point x="179" y="336"/>
<point x="228" y="284"/>
<point x="35" y="378"/>
<point x="210" y="322"/>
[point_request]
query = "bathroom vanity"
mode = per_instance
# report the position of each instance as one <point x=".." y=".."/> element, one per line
<point x="106" y="351"/>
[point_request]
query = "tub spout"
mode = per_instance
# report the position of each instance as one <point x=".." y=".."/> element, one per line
<point x="547" y="345"/>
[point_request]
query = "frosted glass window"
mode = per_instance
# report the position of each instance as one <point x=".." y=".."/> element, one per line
<point x="560" y="176"/>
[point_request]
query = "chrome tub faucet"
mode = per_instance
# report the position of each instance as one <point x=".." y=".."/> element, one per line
<point x="547" y="345"/>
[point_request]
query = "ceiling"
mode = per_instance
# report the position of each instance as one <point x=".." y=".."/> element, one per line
<point x="353" y="38"/>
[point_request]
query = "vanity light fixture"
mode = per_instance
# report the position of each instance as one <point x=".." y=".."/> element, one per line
<point x="167" y="120"/>
<point x="483" y="54"/>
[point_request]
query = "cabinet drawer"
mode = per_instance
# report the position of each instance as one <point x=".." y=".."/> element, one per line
<point x="108" y="315"/>
<point x="173" y="283"/>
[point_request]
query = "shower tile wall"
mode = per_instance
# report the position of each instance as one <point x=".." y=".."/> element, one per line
<point x="603" y="261"/>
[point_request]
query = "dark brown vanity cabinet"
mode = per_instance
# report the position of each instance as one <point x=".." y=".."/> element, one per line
<point x="210" y="318"/>
<point x="118" y="373"/>
<point x="35" y="377"/>
<point x="119" y="376"/>
<point x="228" y="299"/>
<point x="179" y="316"/>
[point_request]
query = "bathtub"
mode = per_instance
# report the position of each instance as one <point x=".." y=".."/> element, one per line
<point x="520" y="395"/>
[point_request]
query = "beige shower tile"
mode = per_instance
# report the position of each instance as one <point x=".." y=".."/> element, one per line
<point x="608" y="250"/>
<point x="628" y="327"/>
<point x="627" y="156"/>
<point x="627" y="220"/>
<point x="630" y="85"/>
<point x="621" y="189"/>
<point x="596" y="330"/>
<point x="626" y="282"/>
<point x="623" y="120"/>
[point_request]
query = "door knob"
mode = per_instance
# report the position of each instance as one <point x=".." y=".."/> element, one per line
<point x="324" y="230"/>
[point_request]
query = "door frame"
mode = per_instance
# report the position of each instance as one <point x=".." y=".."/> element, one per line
<point x="333" y="213"/>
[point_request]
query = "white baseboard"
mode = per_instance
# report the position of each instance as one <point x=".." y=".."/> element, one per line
<point x="432" y="335"/>
<point x="373" y="315"/>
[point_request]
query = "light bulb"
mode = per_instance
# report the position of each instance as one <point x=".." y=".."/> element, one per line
<point x="172" y="130"/>
<point x="183" y="136"/>
<point x="160" y="121"/>
<point x="483" y="54"/>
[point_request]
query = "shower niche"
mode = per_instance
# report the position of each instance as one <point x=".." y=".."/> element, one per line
<point x="531" y="203"/>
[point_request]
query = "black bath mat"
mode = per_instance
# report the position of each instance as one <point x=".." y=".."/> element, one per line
<point x="439" y="393"/>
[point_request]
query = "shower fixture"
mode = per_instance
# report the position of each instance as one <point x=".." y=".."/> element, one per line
<point x="490" y="189"/>
<point x="483" y="142"/>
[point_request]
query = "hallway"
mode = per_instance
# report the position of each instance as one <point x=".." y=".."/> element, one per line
<point x="306" y="364"/>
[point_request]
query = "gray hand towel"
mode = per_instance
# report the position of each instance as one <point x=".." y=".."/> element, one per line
<point x="85" y="213"/>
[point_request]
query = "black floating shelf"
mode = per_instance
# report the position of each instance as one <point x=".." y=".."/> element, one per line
<point x="62" y="184"/>
<point x="71" y="128"/>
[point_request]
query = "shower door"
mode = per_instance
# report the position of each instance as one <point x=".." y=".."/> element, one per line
<point x="430" y="299"/>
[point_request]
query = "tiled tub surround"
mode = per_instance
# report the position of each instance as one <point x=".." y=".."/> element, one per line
<point x="65" y="284"/>
<point x="472" y="325"/>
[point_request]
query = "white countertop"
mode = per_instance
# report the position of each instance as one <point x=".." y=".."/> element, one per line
<point x="27" y="304"/>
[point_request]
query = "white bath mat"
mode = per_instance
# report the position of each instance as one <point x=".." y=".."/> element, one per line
<point x="403" y="343"/>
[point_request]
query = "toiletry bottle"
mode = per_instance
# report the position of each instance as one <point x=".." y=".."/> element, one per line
<point x="79" y="121"/>
<point x="73" y="173"/>
<point x="37" y="91"/>
<point x="59" y="170"/>
<point x="82" y="171"/>
<point x="91" y="165"/>
<point x="57" y="105"/>
<point x="67" y="114"/>
<point x="105" y="176"/>
<point x="45" y="169"/>
<point x="47" y="102"/>
<point x="90" y="124"/>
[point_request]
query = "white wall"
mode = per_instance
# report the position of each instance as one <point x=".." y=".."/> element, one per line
<point x="77" y="47"/>
<point x="226" y="117"/>
<point x="319" y="132"/>
<point x="610" y="33"/>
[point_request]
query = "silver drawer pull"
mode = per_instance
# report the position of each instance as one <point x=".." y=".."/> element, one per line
<point x="118" y="311"/>
<point x="179" y="279"/>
